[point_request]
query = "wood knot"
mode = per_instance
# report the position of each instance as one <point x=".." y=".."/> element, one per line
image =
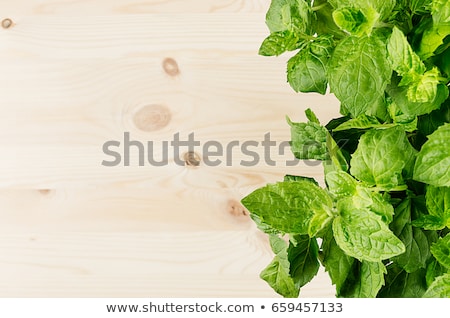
<point x="152" y="117"/>
<point x="170" y="66"/>
<point x="192" y="159"/>
<point x="44" y="191"/>
<point x="7" y="23"/>
<point x="236" y="209"/>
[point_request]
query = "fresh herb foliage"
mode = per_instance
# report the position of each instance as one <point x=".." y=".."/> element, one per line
<point x="381" y="224"/>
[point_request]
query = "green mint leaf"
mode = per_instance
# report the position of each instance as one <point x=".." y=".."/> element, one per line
<point x="382" y="158"/>
<point x="289" y="207"/>
<point x="432" y="39"/>
<point x="340" y="3"/>
<point x="363" y="235"/>
<point x="309" y="141"/>
<point x="408" y="122"/>
<point x="302" y="257"/>
<point x="434" y="36"/>
<point x="429" y="222"/>
<point x="307" y="73"/>
<point x="279" y="42"/>
<point x="324" y="22"/>
<point x="318" y="220"/>
<point x="400" y="97"/>
<point x="356" y="21"/>
<point x="438" y="202"/>
<point x="292" y="178"/>
<point x="434" y="270"/>
<point x="359" y="72"/>
<point x="294" y="265"/>
<point x="311" y="116"/>
<point x="415" y="240"/>
<point x="422" y="218"/>
<point x="423" y="85"/>
<point x="402" y="57"/>
<point x="264" y="227"/>
<point x="433" y="161"/>
<point x="289" y="15"/>
<point x="322" y="46"/>
<point x="336" y="262"/>
<point x="438" y="206"/>
<point x="440" y="10"/>
<point x="313" y="141"/>
<point x="420" y="6"/>
<point x="441" y="251"/>
<point x="425" y="89"/>
<point x="361" y="122"/>
<point x="337" y="159"/>
<point x="440" y="288"/>
<point x="401" y="284"/>
<point x="340" y="184"/>
<point x="365" y="280"/>
<point x="365" y="198"/>
<point x="277" y="273"/>
<point x="318" y="223"/>
<point x="383" y="7"/>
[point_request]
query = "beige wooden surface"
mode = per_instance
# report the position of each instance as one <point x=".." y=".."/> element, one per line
<point x="77" y="73"/>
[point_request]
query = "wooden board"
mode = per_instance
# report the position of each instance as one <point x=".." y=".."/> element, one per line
<point x="76" y="74"/>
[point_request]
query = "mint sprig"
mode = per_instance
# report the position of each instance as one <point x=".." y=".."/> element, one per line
<point x="380" y="226"/>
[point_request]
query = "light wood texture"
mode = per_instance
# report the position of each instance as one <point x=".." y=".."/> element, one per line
<point x="75" y="74"/>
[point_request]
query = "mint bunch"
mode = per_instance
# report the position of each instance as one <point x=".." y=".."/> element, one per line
<point x="380" y="226"/>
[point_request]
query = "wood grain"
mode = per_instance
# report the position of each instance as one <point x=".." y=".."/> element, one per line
<point x="75" y="74"/>
<point x="107" y="7"/>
